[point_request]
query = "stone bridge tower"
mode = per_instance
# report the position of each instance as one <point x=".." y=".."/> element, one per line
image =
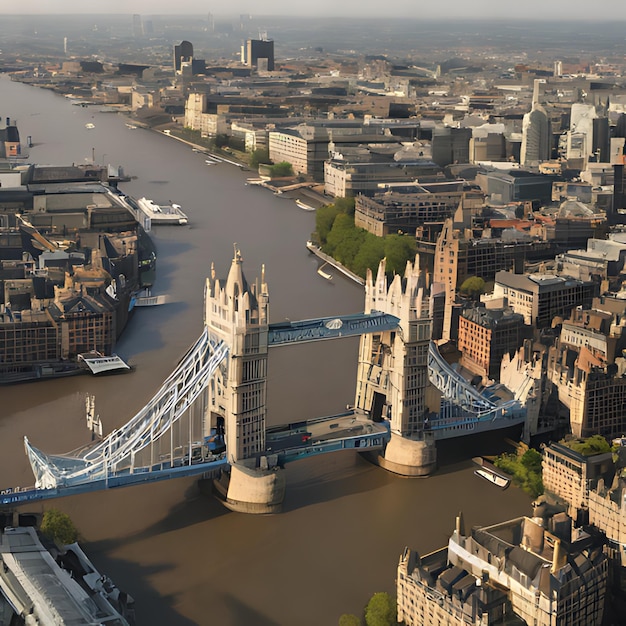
<point x="238" y="313"/>
<point x="392" y="374"/>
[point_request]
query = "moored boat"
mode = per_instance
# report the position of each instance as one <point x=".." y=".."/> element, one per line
<point x="303" y="206"/>
<point x="490" y="472"/>
<point x="96" y="363"/>
<point x="161" y="214"/>
<point x="324" y="274"/>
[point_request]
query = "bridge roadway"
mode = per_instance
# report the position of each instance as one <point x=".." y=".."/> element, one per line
<point x="347" y="431"/>
<point x="289" y="443"/>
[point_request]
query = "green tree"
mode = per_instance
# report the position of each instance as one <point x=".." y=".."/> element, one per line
<point x="324" y="220"/>
<point x="596" y="444"/>
<point x="531" y="460"/>
<point x="381" y="610"/>
<point x="345" y="205"/>
<point x="398" y="250"/>
<point x="525" y="469"/>
<point x="278" y="170"/>
<point x="342" y="228"/>
<point x="369" y="255"/>
<point x="58" y="526"/>
<point x="348" y="619"/>
<point x="473" y="286"/>
<point x="260" y="155"/>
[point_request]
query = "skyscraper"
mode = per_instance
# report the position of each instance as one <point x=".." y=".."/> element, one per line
<point x="137" y="27"/>
<point x="260" y="50"/>
<point x="535" y="136"/>
<point x="183" y="53"/>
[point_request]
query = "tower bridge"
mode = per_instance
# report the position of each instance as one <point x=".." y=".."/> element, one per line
<point x="209" y="417"/>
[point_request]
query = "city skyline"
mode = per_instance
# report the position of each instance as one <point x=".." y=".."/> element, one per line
<point x="480" y="10"/>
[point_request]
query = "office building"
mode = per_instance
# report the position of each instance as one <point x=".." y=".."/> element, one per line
<point x="541" y="297"/>
<point x="485" y="336"/>
<point x="183" y="53"/>
<point x="567" y="474"/>
<point x="417" y="209"/>
<point x="259" y="53"/>
<point x="536" y="136"/>
<point x="451" y="145"/>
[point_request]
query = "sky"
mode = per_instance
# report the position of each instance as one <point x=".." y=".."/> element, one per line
<point x="529" y="9"/>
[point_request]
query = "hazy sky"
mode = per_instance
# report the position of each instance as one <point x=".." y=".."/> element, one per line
<point x="610" y="10"/>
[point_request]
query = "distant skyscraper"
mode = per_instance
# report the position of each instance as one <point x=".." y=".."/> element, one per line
<point x="259" y="50"/>
<point x="183" y="53"/>
<point x="137" y="28"/>
<point x="558" y="68"/>
<point x="148" y="27"/>
<point x="64" y="45"/>
<point x="581" y="126"/>
<point x="211" y="22"/>
<point x="538" y="89"/>
<point x="536" y="136"/>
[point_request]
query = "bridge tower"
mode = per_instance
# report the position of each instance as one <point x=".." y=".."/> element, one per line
<point x="392" y="373"/>
<point x="238" y="313"/>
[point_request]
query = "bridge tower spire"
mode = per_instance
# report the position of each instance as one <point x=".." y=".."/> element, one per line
<point x="238" y="313"/>
<point x="392" y="374"/>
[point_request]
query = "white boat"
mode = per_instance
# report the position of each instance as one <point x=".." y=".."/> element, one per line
<point x="499" y="481"/>
<point x="131" y="126"/>
<point x="98" y="364"/>
<point x="303" y="206"/>
<point x="489" y="472"/>
<point x="324" y="274"/>
<point x="89" y="126"/>
<point x="161" y="214"/>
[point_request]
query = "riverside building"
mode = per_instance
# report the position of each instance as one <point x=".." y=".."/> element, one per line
<point x="523" y="571"/>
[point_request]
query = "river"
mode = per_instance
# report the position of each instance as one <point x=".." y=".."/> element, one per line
<point x="182" y="556"/>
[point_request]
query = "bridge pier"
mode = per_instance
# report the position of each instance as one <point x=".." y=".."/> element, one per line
<point x="408" y="457"/>
<point x="251" y="490"/>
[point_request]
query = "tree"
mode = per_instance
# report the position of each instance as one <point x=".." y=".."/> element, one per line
<point x="344" y="240"/>
<point x="324" y="220"/>
<point x="58" y="526"/>
<point x="473" y="286"/>
<point x="260" y="155"/>
<point x="281" y="169"/>
<point x="381" y="610"/>
<point x="596" y="444"/>
<point x="369" y="255"/>
<point x="398" y="250"/>
<point x="531" y="460"/>
<point x="345" y="205"/>
<point x="348" y="619"/>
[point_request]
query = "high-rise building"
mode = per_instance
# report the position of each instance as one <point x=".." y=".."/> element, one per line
<point x="259" y="53"/>
<point x="137" y="27"/>
<point x="535" y="136"/>
<point x="183" y="53"/>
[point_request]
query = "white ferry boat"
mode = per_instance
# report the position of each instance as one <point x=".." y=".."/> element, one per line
<point x="162" y="214"/>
